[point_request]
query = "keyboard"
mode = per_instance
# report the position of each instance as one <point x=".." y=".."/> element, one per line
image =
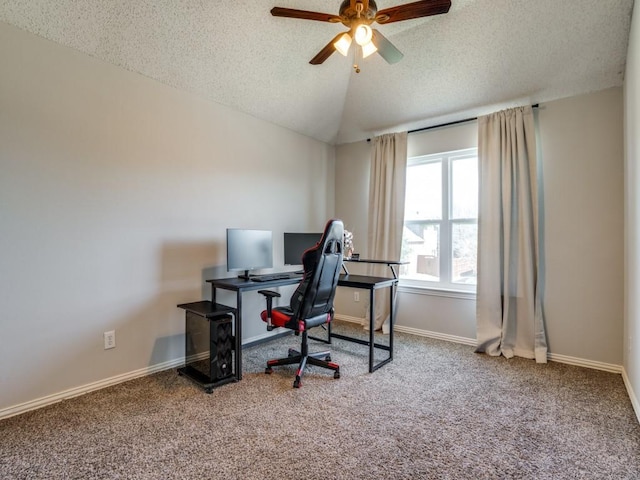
<point x="273" y="276"/>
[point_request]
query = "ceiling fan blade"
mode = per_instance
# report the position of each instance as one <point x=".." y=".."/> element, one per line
<point x="326" y="52"/>
<point x="425" y="8"/>
<point x="304" y="14"/>
<point x="386" y="49"/>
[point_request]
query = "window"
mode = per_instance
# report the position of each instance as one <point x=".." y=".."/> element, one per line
<point x="440" y="234"/>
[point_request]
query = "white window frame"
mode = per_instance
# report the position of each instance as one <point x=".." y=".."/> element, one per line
<point x="445" y="224"/>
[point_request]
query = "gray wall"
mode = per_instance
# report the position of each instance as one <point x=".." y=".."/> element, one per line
<point x="115" y="193"/>
<point x="631" y="371"/>
<point x="582" y="160"/>
<point x="582" y="153"/>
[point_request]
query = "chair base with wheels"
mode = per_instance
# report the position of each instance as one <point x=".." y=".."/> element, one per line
<point x="283" y="317"/>
<point x="320" y="359"/>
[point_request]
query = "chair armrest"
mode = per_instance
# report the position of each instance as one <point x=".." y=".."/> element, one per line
<point x="269" y="295"/>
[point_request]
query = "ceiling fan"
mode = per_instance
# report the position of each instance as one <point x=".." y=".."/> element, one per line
<point x="358" y="15"/>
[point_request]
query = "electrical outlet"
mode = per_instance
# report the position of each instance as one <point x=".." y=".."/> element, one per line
<point x="110" y="339"/>
<point x="356" y="296"/>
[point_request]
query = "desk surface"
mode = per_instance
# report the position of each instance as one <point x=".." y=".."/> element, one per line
<point x="355" y="281"/>
<point x="366" y="281"/>
<point x="242" y="284"/>
<point x="384" y="262"/>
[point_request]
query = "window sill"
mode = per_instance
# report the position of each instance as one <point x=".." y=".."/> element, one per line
<point x="436" y="292"/>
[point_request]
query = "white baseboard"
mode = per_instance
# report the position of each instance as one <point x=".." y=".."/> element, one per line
<point x="90" y="387"/>
<point x="581" y="362"/>
<point x="414" y="331"/>
<point x="436" y="335"/>
<point x="632" y="396"/>
<point x="554" y="357"/>
<point x="348" y="318"/>
<point x="264" y="336"/>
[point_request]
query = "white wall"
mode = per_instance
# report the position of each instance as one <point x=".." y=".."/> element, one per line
<point x="632" y="215"/>
<point x="582" y="162"/>
<point x="115" y="193"/>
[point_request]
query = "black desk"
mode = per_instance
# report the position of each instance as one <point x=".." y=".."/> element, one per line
<point x="372" y="284"/>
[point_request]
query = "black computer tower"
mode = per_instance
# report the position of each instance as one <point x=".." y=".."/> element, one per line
<point x="209" y="347"/>
<point x="221" y="348"/>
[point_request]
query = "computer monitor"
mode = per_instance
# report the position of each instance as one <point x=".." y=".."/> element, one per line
<point x="249" y="250"/>
<point x="296" y="243"/>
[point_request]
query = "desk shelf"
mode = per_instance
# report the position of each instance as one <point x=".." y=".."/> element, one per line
<point x="207" y="309"/>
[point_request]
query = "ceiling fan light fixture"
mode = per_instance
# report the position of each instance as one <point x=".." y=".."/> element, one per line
<point x="368" y="49"/>
<point x="363" y="34"/>
<point x="357" y="16"/>
<point x="343" y="44"/>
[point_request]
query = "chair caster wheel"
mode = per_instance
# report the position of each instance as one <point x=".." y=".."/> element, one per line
<point x="336" y="375"/>
<point x="268" y="370"/>
<point x="327" y="358"/>
<point x="296" y="383"/>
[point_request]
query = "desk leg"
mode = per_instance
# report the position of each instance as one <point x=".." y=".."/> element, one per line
<point x="371" y="342"/>
<point x="372" y="326"/>
<point x="239" y="335"/>
<point x="391" y="320"/>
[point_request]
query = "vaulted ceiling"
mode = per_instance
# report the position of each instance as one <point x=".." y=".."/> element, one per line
<point x="481" y="56"/>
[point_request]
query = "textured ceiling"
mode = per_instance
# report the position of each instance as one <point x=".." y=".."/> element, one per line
<point x="482" y="55"/>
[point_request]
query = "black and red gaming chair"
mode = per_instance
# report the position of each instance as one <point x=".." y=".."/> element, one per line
<point x="312" y="303"/>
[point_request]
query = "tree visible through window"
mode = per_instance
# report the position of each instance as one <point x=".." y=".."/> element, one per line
<point x="440" y="235"/>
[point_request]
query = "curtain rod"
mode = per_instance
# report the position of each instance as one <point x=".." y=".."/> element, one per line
<point x="451" y="123"/>
<point x="448" y="124"/>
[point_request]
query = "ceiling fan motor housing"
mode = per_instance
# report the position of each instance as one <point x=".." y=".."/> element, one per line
<point x="348" y="13"/>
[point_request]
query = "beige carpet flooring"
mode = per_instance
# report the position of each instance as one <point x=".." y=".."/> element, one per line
<point x="438" y="411"/>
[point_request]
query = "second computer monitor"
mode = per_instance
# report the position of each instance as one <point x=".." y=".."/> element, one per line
<point x="296" y="243"/>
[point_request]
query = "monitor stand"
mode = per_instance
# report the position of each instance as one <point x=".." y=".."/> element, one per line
<point x="245" y="275"/>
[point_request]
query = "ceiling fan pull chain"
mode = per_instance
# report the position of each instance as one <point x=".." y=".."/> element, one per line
<point x="355" y="59"/>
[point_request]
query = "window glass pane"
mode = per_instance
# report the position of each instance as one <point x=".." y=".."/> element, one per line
<point x="423" y="197"/>
<point x="440" y="230"/>
<point x="421" y="248"/>
<point x="464" y="188"/>
<point x="464" y="243"/>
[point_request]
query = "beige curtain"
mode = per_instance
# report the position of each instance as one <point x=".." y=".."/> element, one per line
<point x="509" y="308"/>
<point x="386" y="211"/>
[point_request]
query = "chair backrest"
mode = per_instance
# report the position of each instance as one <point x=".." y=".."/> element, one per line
<point x="322" y="264"/>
